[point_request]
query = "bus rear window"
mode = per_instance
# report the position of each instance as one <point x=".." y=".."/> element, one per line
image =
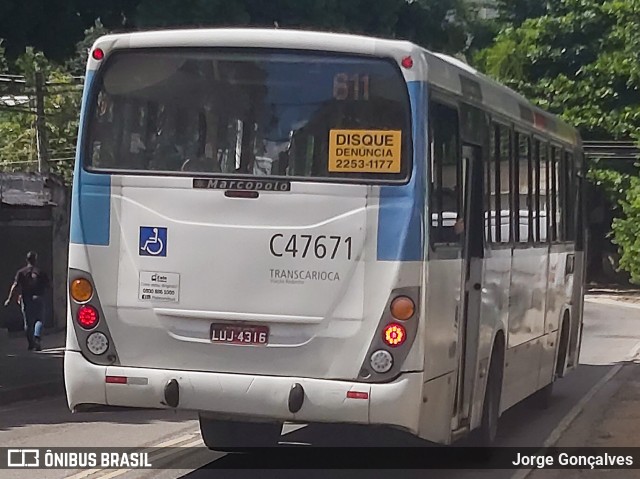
<point x="228" y="112"/>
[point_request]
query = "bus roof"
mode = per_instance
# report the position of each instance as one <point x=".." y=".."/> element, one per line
<point x="443" y="71"/>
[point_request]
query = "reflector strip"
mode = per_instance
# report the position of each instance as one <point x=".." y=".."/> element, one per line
<point x="357" y="395"/>
<point x="116" y="379"/>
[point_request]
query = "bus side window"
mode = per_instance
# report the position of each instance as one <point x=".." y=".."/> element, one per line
<point x="445" y="197"/>
<point x="555" y="194"/>
<point x="499" y="190"/>
<point x="543" y="189"/>
<point x="569" y="212"/>
<point x="490" y="185"/>
<point x="536" y="185"/>
<point x="523" y="194"/>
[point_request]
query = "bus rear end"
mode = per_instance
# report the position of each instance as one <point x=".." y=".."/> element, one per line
<point x="246" y="233"/>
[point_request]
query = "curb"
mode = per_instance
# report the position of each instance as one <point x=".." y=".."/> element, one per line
<point x="31" y="391"/>
<point x="569" y="419"/>
<point x="612" y="302"/>
<point x="573" y="414"/>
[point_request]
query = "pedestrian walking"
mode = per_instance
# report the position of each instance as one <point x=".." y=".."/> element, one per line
<point x="29" y="287"/>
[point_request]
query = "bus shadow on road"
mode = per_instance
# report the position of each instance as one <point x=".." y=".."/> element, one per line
<point x="54" y="410"/>
<point x="525" y="425"/>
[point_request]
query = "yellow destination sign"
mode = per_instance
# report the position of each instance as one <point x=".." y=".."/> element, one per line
<point x="365" y="151"/>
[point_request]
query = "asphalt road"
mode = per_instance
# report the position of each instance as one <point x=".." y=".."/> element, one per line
<point x="610" y="333"/>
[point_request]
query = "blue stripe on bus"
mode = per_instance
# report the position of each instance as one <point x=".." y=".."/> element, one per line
<point x="91" y="194"/>
<point x="401" y="213"/>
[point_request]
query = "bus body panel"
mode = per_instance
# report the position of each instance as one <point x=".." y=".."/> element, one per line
<point x="441" y="330"/>
<point x="493" y="318"/>
<point x="249" y="397"/>
<point x="328" y="343"/>
<point x="577" y="311"/>
<point x="527" y="294"/>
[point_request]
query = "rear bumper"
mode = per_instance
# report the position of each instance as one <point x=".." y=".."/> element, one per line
<point x="393" y="404"/>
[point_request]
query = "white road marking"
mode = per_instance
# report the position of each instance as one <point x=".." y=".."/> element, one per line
<point x="288" y="428"/>
<point x="172" y="442"/>
<point x="568" y="419"/>
<point x="119" y="472"/>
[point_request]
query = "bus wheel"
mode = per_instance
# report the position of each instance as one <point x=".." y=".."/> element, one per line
<point x="230" y="436"/>
<point x="486" y="434"/>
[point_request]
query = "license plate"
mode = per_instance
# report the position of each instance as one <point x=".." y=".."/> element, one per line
<point x="240" y="334"/>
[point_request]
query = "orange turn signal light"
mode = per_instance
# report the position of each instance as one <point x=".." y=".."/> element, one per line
<point x="81" y="290"/>
<point x="402" y="308"/>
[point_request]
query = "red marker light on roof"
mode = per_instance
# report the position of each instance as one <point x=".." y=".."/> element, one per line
<point x="98" y="54"/>
<point x="407" y="62"/>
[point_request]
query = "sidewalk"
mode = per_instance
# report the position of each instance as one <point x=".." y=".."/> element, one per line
<point x="26" y="374"/>
<point x="630" y="295"/>
<point x="611" y="419"/>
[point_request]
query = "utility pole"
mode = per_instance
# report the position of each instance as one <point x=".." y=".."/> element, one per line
<point x="41" y="128"/>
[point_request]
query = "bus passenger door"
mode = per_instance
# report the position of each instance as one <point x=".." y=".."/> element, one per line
<point x="471" y="280"/>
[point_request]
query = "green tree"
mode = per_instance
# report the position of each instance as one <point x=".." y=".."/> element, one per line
<point x="515" y="12"/>
<point x="437" y="24"/>
<point x="580" y="60"/>
<point x="55" y="26"/>
<point x="18" y="149"/>
<point x="77" y="64"/>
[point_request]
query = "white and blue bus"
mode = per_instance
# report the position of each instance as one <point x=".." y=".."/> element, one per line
<point x="276" y="226"/>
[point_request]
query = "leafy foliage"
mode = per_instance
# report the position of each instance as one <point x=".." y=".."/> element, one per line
<point x="580" y="61"/>
<point x="624" y="190"/>
<point x="438" y="24"/>
<point x="515" y="12"/>
<point x="55" y="26"/>
<point x="579" y="58"/>
<point x="77" y="64"/>
<point x="18" y="148"/>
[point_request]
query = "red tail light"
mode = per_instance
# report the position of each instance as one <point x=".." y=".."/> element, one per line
<point x="88" y="317"/>
<point x="394" y="334"/>
<point x="357" y="395"/>
<point x="116" y="379"/>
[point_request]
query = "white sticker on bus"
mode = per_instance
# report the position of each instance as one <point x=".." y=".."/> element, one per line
<point x="158" y="286"/>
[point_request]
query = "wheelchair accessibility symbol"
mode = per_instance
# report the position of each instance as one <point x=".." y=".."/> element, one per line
<point x="153" y="241"/>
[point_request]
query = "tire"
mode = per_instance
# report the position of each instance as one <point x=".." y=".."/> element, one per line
<point x="486" y="434"/>
<point x="232" y="436"/>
